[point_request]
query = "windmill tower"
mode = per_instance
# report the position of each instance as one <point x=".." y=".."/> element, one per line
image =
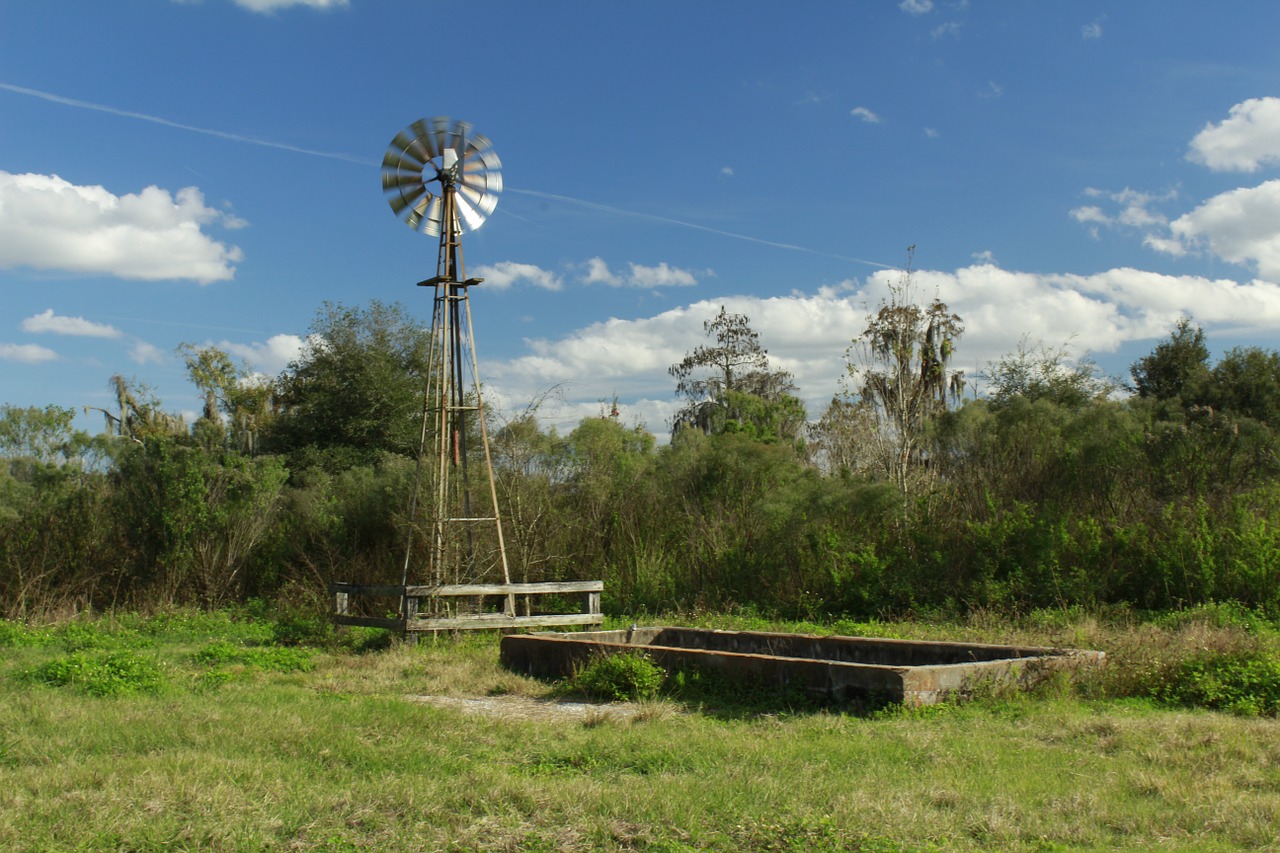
<point x="441" y="178"/>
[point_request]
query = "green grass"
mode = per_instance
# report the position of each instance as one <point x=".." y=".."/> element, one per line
<point x="336" y="754"/>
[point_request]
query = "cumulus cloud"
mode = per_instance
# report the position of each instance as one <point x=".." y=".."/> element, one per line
<point x="1241" y="226"/>
<point x="916" y="7"/>
<point x="26" y="353"/>
<point x="52" y="323"/>
<point x="865" y="114"/>
<point x="662" y="275"/>
<point x="502" y="275"/>
<point x="1092" y="30"/>
<point x="598" y="273"/>
<point x="1243" y="142"/>
<point x="145" y="353"/>
<point x="49" y="223"/>
<point x="269" y="357"/>
<point x="638" y="275"/>
<point x="808" y="333"/>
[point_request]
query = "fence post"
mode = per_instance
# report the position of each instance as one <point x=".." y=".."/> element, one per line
<point x="410" y="616"/>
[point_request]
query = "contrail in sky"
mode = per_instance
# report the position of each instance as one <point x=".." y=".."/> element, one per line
<point x="221" y="134"/>
<point x="365" y="161"/>
<point x="696" y="227"/>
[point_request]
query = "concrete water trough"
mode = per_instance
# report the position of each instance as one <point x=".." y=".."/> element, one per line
<point x="840" y="669"/>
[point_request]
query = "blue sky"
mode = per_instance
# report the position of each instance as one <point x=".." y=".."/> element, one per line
<point x="207" y="171"/>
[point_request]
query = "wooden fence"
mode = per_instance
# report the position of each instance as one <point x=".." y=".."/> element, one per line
<point x="466" y="606"/>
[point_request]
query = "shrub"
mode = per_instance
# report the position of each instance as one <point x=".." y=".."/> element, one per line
<point x="272" y="658"/>
<point x="628" y="675"/>
<point x="118" y="673"/>
<point x="16" y="635"/>
<point x="1242" y="682"/>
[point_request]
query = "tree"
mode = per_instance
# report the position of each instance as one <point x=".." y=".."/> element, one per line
<point x="901" y="367"/>
<point x="356" y="390"/>
<point x="729" y="387"/>
<point x="841" y="441"/>
<point x="1245" y="382"/>
<point x="1045" y="373"/>
<point x="138" y="412"/>
<point x="193" y="518"/>
<point x="1176" y="367"/>
<point x="231" y="390"/>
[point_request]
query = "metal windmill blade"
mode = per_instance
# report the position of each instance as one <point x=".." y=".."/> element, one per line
<point x="430" y="155"/>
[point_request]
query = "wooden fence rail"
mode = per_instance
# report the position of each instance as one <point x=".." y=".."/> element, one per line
<point x="413" y="618"/>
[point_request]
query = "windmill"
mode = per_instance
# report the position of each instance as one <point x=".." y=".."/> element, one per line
<point x="442" y="178"/>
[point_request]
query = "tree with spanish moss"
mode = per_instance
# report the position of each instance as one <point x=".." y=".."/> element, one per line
<point x="900" y="367"/>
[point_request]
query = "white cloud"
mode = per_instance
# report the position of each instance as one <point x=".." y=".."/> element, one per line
<point x="1092" y="30"/>
<point x="145" y="353"/>
<point x="1241" y="226"/>
<point x="865" y="114"/>
<point x="1131" y="210"/>
<point x="26" y="353"/>
<point x="49" y="223"/>
<point x="993" y="90"/>
<point x="808" y="333"/>
<point x="58" y="325"/>
<point x="1090" y="213"/>
<point x="1246" y="140"/>
<point x="916" y="7"/>
<point x="727" y="171"/>
<point x="270" y="357"/>
<point x="502" y="275"/>
<point x="931" y="133"/>
<point x="662" y="275"/>
<point x="268" y="6"/>
<point x="950" y="28"/>
<point x="598" y="273"/>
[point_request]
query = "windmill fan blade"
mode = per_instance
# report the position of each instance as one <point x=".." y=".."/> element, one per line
<point x="395" y="159"/>
<point x="423" y="135"/>
<point x="404" y="148"/>
<point x="402" y="200"/>
<point x="400" y="180"/>
<point x="425" y="215"/>
<point x="484" y="203"/>
<point x="439" y="133"/>
<point x="426" y="152"/>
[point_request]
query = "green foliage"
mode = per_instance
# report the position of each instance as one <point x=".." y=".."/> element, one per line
<point x="729" y="387"/>
<point x="616" y="677"/>
<point x="224" y="653"/>
<point x="16" y="635"/>
<point x="194" y="518"/>
<point x="1176" y="368"/>
<point x="1045" y="373"/>
<point x="355" y="392"/>
<point x="82" y="635"/>
<point x="117" y="673"/>
<point x="1245" y="683"/>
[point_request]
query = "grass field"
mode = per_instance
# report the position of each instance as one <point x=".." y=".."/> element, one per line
<point x="193" y="731"/>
